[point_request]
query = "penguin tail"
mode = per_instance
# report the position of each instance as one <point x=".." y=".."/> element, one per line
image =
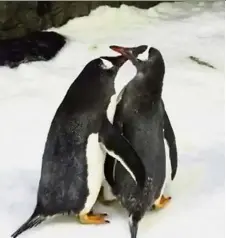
<point x="133" y="224"/>
<point x="33" y="221"/>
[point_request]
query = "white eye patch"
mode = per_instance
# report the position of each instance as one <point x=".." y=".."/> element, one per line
<point x="143" y="56"/>
<point x="106" y="64"/>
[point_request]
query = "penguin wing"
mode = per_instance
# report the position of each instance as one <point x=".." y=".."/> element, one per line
<point x="118" y="147"/>
<point x="109" y="170"/>
<point x="110" y="162"/>
<point x="171" y="141"/>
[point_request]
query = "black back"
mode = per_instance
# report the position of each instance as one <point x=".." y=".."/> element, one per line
<point x="35" y="46"/>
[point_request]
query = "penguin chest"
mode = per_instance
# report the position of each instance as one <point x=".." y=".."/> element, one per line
<point x="95" y="158"/>
<point x="168" y="165"/>
<point x="112" y="108"/>
<point x="167" y="176"/>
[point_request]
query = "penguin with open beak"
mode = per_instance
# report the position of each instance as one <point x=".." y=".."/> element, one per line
<point x="142" y="119"/>
<point x="80" y="135"/>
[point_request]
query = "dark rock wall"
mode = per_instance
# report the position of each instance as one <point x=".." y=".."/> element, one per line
<point x="19" y="18"/>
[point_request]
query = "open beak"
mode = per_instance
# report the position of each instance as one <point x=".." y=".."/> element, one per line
<point x="135" y="51"/>
<point x="122" y="50"/>
<point x="126" y="52"/>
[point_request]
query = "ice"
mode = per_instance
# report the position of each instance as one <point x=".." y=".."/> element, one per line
<point x="193" y="96"/>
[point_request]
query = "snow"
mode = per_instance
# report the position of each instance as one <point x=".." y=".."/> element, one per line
<point x="193" y="96"/>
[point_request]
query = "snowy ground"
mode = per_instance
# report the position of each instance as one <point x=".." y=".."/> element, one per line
<point x="194" y="99"/>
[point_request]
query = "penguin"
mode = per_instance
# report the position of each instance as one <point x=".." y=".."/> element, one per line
<point x="106" y="196"/>
<point x="124" y="75"/>
<point x="142" y="119"/>
<point x="73" y="160"/>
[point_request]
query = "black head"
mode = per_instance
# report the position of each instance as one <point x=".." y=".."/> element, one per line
<point x="155" y="57"/>
<point x="105" y="65"/>
<point x="150" y="72"/>
<point x="118" y="61"/>
<point x="113" y="61"/>
<point x="154" y="62"/>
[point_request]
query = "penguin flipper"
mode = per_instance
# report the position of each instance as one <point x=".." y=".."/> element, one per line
<point x="109" y="169"/>
<point x="171" y="141"/>
<point x="110" y="162"/>
<point x="118" y="147"/>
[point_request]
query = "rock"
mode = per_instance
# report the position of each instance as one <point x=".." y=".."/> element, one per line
<point x="43" y="8"/>
<point x="35" y="46"/>
<point x="81" y="8"/>
<point x="58" y="13"/>
<point x="19" y="18"/>
<point x="7" y="11"/>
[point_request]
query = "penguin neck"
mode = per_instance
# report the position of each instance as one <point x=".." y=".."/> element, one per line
<point x="149" y="86"/>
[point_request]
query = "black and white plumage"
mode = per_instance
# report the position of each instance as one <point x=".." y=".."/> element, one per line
<point x="73" y="160"/>
<point x="142" y="119"/>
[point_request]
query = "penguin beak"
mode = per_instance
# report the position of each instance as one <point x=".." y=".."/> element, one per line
<point x="126" y="52"/>
<point x="121" y="50"/>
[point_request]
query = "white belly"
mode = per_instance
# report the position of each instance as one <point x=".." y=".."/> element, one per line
<point x="168" y="173"/>
<point x="168" y="165"/>
<point x="112" y="108"/>
<point x="95" y="167"/>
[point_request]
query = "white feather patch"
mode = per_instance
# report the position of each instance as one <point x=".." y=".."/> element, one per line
<point x="143" y="56"/>
<point x="106" y="64"/>
<point x="112" y="154"/>
<point x="125" y="74"/>
<point x="168" y="173"/>
<point x="95" y="157"/>
<point x="107" y="193"/>
<point x="112" y="108"/>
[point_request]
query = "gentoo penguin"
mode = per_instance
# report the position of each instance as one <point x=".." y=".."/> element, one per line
<point x="142" y="119"/>
<point x="73" y="160"/>
<point x="124" y="75"/>
<point x="106" y="196"/>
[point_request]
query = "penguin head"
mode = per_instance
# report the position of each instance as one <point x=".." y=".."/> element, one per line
<point x="112" y="62"/>
<point x="117" y="61"/>
<point x="130" y="52"/>
<point x="105" y="65"/>
<point x="155" y="58"/>
<point x="153" y="64"/>
<point x="104" y="71"/>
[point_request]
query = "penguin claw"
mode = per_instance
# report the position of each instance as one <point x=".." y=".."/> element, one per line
<point x="162" y="202"/>
<point x="93" y="218"/>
